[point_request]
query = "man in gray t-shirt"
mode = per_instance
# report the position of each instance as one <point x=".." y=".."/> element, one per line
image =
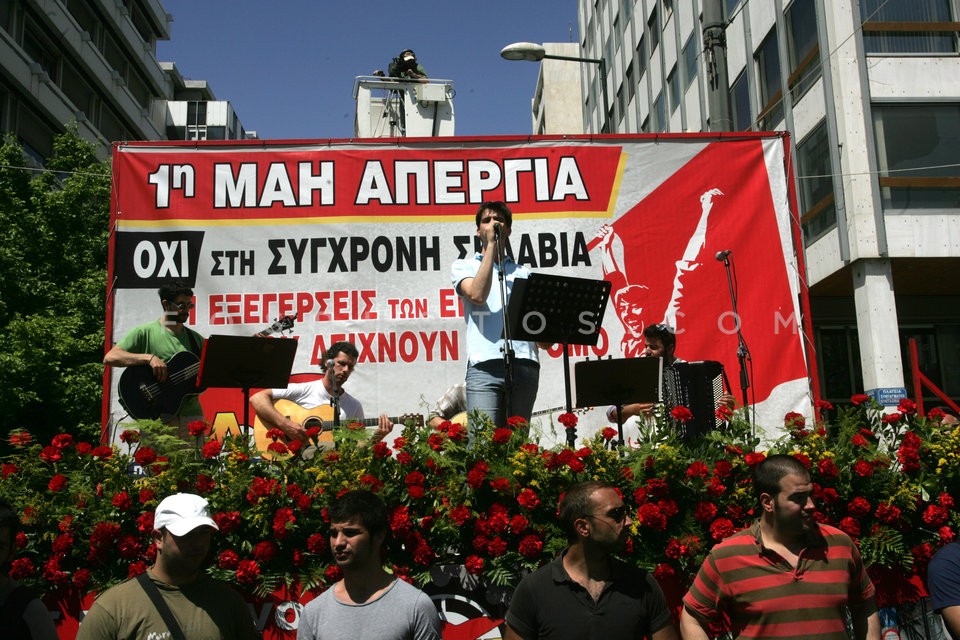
<point x="368" y="602"/>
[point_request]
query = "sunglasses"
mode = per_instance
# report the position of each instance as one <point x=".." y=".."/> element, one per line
<point x="183" y="306"/>
<point x="617" y="514"/>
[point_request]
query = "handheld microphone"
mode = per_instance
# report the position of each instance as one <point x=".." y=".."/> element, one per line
<point x="722" y="255"/>
<point x="329" y="364"/>
<point x="496" y="228"/>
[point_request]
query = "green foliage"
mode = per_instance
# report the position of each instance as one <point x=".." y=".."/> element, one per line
<point x="54" y="226"/>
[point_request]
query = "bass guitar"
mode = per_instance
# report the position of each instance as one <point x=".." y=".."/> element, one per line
<point x="146" y="399"/>
<point x="321" y="417"/>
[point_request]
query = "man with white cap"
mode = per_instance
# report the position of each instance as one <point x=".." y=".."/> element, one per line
<point x="175" y="598"/>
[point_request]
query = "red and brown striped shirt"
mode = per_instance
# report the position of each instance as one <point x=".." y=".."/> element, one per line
<point x="755" y="593"/>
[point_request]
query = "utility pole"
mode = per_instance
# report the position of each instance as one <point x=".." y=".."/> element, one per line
<point x="715" y="55"/>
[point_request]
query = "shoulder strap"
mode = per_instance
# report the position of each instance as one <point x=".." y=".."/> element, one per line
<point x="161" y="606"/>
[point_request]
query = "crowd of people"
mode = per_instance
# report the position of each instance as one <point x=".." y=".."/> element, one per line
<point x="787" y="575"/>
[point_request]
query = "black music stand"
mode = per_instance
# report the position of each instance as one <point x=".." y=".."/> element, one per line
<point x="245" y="362"/>
<point x="558" y="309"/>
<point x="618" y="382"/>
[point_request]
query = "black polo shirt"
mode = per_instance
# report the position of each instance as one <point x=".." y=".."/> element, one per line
<point x="549" y="604"/>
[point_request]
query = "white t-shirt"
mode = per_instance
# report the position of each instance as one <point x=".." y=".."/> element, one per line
<point x="310" y="395"/>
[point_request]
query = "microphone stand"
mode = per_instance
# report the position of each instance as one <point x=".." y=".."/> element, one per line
<point x="508" y="353"/>
<point x="743" y="353"/>
<point x="334" y="395"/>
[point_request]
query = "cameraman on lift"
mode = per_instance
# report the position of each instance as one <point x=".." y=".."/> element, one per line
<point x="406" y="67"/>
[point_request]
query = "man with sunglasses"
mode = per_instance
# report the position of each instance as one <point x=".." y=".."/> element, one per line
<point x="152" y="344"/>
<point x="587" y="592"/>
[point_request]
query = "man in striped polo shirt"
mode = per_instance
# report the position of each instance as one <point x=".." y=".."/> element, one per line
<point x="786" y="576"/>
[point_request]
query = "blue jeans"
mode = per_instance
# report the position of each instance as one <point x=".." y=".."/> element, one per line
<point x="486" y="389"/>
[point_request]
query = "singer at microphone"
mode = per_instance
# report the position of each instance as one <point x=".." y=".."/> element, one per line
<point x="484" y="283"/>
<point x="722" y="255"/>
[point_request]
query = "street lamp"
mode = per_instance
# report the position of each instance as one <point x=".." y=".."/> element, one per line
<point x="534" y="52"/>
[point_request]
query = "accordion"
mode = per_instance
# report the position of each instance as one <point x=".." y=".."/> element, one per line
<point x="698" y="387"/>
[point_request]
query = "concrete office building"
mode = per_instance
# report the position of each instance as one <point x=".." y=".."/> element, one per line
<point x="870" y="92"/>
<point x="94" y="62"/>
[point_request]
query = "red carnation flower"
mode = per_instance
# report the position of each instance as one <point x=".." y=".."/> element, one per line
<point x="122" y="501"/>
<point x="145" y="456"/>
<point x="528" y="499"/>
<point x="907" y="406"/>
<point x="722" y="528"/>
<point x="57" y="483"/>
<point x="317" y="544"/>
<point x="887" y="513"/>
<point x="754" y="458"/>
<point x="568" y="420"/>
<point x="859" y="399"/>
<point x="823" y="405"/>
<point x="649" y="515"/>
<point x="705" y="512"/>
<point x="608" y="433"/>
<point x="62" y="440"/>
<point x="212" y="449"/>
<point x="859" y="507"/>
<point x="935" y="515"/>
<point x="8" y="470"/>
<point x="103" y="451"/>
<point x="51" y="454"/>
<point x="197" y="428"/>
<point x="81" y="578"/>
<point x="20" y="438"/>
<point x="333" y="573"/>
<point x="497" y="547"/>
<point x="474" y="565"/>
<point x="828" y="469"/>
<point x="863" y="468"/>
<point x="228" y="559"/>
<point x="850" y="527"/>
<point x="227" y="521"/>
<point x="698" y="469"/>
<point x="682" y="414"/>
<point x="723" y="412"/>
<point x="264" y="552"/>
<point x="500" y="484"/>
<point x="531" y="546"/>
<point x="460" y="515"/>
<point x="21" y="568"/>
<point x="794" y="420"/>
<point x="247" y="571"/>
<point x="130" y="436"/>
<point x="663" y="571"/>
<point x="515" y="422"/>
<point x="381" y="450"/>
<point x="502" y="435"/>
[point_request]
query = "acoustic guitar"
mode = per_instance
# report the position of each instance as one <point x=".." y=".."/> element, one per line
<point x="321" y="417"/>
<point x="146" y="399"/>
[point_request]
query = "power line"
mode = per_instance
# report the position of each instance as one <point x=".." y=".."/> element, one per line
<point x="60" y="171"/>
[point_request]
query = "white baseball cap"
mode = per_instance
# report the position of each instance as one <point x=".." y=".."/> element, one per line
<point x="181" y="513"/>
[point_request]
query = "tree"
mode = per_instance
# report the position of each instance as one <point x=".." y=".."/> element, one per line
<point x="54" y="226"/>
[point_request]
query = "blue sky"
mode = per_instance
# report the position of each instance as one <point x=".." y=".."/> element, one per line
<point x="288" y="67"/>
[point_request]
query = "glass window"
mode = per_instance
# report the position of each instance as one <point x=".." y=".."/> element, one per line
<point x="838" y="354"/>
<point x="626" y="8"/>
<point x="729" y="7"/>
<point x="621" y="104"/>
<point x="740" y="104"/>
<point x="768" y="66"/>
<point x="802" y="47"/>
<point x="631" y="86"/>
<point x="918" y="155"/>
<point x="196" y="112"/>
<point x="886" y="26"/>
<point x="814" y="169"/>
<point x="616" y="34"/>
<point x="673" y="87"/>
<point x="653" y="27"/>
<point x="642" y="57"/>
<point x="659" y="114"/>
<point x="690" y="52"/>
